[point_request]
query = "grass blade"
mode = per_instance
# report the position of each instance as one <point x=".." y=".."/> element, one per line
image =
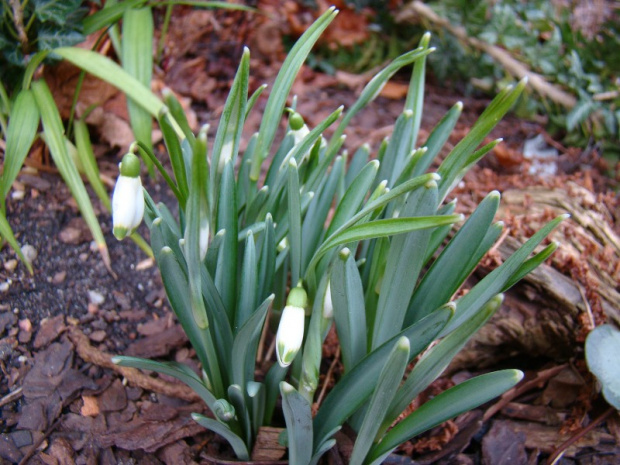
<point x="55" y="139"/>
<point x="298" y="419"/>
<point x="137" y="60"/>
<point x="21" y="131"/>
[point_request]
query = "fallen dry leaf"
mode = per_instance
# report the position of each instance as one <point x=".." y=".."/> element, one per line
<point x="90" y="407"/>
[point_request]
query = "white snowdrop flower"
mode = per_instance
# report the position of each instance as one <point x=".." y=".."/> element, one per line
<point x="291" y="329"/>
<point x="128" y="198"/>
<point x="328" y="306"/>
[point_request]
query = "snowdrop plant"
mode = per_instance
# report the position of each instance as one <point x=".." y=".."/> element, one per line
<point x="297" y="229"/>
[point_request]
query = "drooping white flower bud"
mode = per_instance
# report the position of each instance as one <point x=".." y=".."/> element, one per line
<point x="291" y="329"/>
<point x="328" y="306"/>
<point x="128" y="198"/>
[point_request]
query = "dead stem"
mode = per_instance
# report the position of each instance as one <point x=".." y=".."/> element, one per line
<point x="90" y="354"/>
<point x="559" y="452"/>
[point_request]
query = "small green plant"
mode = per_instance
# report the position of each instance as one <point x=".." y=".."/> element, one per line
<point x="253" y="238"/>
<point x="29" y="32"/>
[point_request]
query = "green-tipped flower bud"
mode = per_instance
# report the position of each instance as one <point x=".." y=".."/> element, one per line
<point x="128" y="198"/>
<point x="291" y="329"/>
<point x="296" y="121"/>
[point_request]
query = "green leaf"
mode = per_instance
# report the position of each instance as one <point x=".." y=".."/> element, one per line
<point x="50" y="37"/>
<point x="56" y="141"/>
<point x="177" y="370"/>
<point x="298" y="417"/>
<point x="356" y="386"/>
<point x="354" y="196"/>
<point x="349" y="311"/>
<point x="137" y="60"/>
<point x="6" y="233"/>
<point x="89" y="163"/>
<point x="226" y="144"/>
<point x="373" y="88"/>
<point x="384" y="228"/>
<point x="55" y="11"/>
<point x="435" y="361"/>
<point x="22" y="129"/>
<point x="455" y="262"/>
<point x="246" y="343"/>
<point x="294" y="210"/>
<point x="415" y="95"/>
<point x="241" y="450"/>
<point x="108" y="15"/>
<point x="387" y="384"/>
<point x="226" y="272"/>
<point x="404" y="262"/>
<point x="602" y="349"/>
<point x="106" y="70"/>
<point x="496" y="281"/>
<point x="246" y="302"/>
<point x="282" y="86"/>
<point x="456" y="400"/>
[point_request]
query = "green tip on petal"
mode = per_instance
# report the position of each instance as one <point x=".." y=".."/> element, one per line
<point x="130" y="165"/>
<point x="120" y="232"/>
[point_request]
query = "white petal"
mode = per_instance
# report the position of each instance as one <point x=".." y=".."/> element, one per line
<point x="127" y="203"/>
<point x="290" y="334"/>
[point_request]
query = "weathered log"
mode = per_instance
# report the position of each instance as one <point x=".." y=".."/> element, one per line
<point x="551" y="311"/>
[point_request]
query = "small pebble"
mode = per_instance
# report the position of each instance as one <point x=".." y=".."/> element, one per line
<point x="95" y="297"/>
<point x="29" y="252"/>
<point x="93" y="247"/>
<point x="4" y="287"/>
<point x="18" y="195"/>
<point x="83" y="257"/>
<point x="10" y="265"/>
<point x="59" y="277"/>
<point x="98" y="336"/>
<point x="25" y="325"/>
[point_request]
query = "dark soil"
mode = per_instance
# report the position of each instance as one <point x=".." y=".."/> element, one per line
<point x="61" y="402"/>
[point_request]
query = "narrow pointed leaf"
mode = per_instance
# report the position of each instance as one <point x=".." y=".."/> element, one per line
<point x="241" y="450"/>
<point x="298" y="417"/>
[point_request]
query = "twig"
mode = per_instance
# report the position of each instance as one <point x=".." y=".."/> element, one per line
<point x="18" y="21"/>
<point x="327" y="377"/>
<point x="11" y="396"/>
<point x="516" y="391"/>
<point x="511" y="64"/>
<point x="559" y="452"/>
<point x="90" y="354"/>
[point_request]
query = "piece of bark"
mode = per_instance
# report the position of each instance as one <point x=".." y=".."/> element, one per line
<point x="267" y="446"/>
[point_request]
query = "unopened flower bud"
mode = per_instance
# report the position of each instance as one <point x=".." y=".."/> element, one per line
<point x="291" y="329"/>
<point x="128" y="198"/>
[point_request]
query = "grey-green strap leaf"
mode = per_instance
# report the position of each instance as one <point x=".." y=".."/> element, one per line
<point x="496" y="281"/>
<point x="235" y="441"/>
<point x="177" y="370"/>
<point x="355" y="387"/>
<point x="387" y="384"/>
<point x="404" y="262"/>
<point x="456" y="400"/>
<point x="454" y="263"/>
<point x="435" y="361"/>
<point x="349" y="311"/>
<point x="247" y="290"/>
<point x="294" y="212"/>
<point x="298" y="417"/>
<point x="282" y="86"/>
<point x="245" y="344"/>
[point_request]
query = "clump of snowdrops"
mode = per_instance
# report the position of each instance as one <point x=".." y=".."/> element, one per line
<point x="298" y="229"/>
